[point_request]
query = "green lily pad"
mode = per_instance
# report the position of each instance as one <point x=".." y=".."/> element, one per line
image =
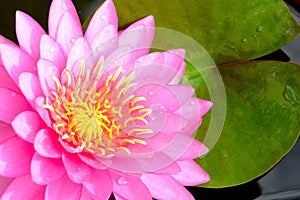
<point x="229" y="30"/>
<point x="262" y="121"/>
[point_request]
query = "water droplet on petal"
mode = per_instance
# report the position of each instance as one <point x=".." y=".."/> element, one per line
<point x="150" y="92"/>
<point x="192" y="102"/>
<point x="103" y="17"/>
<point x="139" y="60"/>
<point x="13" y="94"/>
<point x="73" y="40"/>
<point x="52" y="49"/>
<point x="122" y="181"/>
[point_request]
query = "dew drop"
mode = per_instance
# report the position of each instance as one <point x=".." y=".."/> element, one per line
<point x="139" y="60"/>
<point x="150" y="92"/>
<point x="13" y="94"/>
<point x="153" y="118"/>
<point x="254" y="35"/>
<point x="192" y="102"/>
<point x="244" y="40"/>
<point x="52" y="49"/>
<point x="103" y="17"/>
<point x="122" y="181"/>
<point x="73" y="40"/>
<point x="259" y="29"/>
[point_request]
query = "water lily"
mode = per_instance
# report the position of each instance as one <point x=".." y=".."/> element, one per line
<point x="88" y="115"/>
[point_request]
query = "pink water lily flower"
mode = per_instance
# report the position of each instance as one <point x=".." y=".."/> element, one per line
<point x="87" y="115"/>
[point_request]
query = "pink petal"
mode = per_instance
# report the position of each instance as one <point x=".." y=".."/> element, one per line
<point x="16" y="61"/>
<point x="11" y="104"/>
<point x="69" y="31"/>
<point x="123" y="56"/>
<point x="57" y="10"/>
<point x="99" y="184"/>
<point x="46" y="70"/>
<point x="195" y="150"/>
<point x="77" y="170"/>
<point x="64" y="188"/>
<point x="6" y="81"/>
<point x="27" y="124"/>
<point x="157" y="94"/>
<point x="106" y="41"/>
<point x="47" y="144"/>
<point x="29" y="34"/>
<point x="165" y="187"/>
<point x="105" y="15"/>
<point x="15" y="157"/>
<point x="85" y="195"/>
<point x="39" y="102"/>
<point x="51" y="51"/>
<point x="182" y="92"/>
<point x="191" y="173"/>
<point x="30" y="87"/>
<point x="130" y="187"/>
<point x="23" y="188"/>
<point x="163" y="66"/>
<point x="46" y="170"/>
<point x="6" y="131"/>
<point x="179" y="74"/>
<point x="4" y="182"/>
<point x="192" y="111"/>
<point x="81" y="50"/>
<point x="139" y="35"/>
<point x="3" y="40"/>
<point x="91" y="161"/>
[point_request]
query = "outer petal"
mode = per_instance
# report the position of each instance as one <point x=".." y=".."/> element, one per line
<point x="27" y="124"/>
<point x="51" y="51"/>
<point x="64" y="188"/>
<point x="195" y="150"/>
<point x="47" y="145"/>
<point x="11" y="104"/>
<point x="105" y="15"/>
<point x="99" y="189"/>
<point x="77" y="170"/>
<point x="29" y="34"/>
<point x="39" y="102"/>
<point x="15" y="157"/>
<point x="69" y="31"/>
<point x="46" y="170"/>
<point x="6" y="81"/>
<point x="130" y="187"/>
<point x="57" y="10"/>
<point x="164" y="66"/>
<point x="30" y="87"/>
<point x="139" y="35"/>
<point x="191" y="173"/>
<point x="165" y="187"/>
<point x="192" y="111"/>
<point x="46" y="70"/>
<point x="6" y="131"/>
<point x="23" y="188"/>
<point x="3" y="40"/>
<point x="16" y="61"/>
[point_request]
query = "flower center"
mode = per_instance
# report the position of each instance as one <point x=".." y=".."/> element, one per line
<point x="100" y="118"/>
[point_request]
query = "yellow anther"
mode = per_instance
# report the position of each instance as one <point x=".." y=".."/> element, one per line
<point x="140" y="141"/>
<point x="127" y="99"/>
<point x="137" y="99"/>
<point x="65" y="136"/>
<point x="140" y="131"/>
<point x="116" y="74"/>
<point x="124" y="149"/>
<point x="141" y="119"/>
<point x="49" y="108"/>
<point x="57" y="82"/>
<point x="135" y="108"/>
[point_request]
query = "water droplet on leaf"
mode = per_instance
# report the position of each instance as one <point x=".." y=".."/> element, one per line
<point x="289" y="92"/>
<point x="259" y="29"/>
